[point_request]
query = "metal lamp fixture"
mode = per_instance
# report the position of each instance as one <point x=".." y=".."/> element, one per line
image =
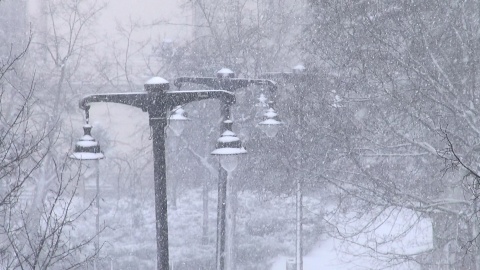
<point x="157" y="100"/>
<point x="271" y="124"/>
<point x="178" y="119"/>
<point x="87" y="148"/>
<point x="228" y="148"/>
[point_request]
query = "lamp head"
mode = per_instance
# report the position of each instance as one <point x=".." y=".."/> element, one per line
<point x="271" y="124"/>
<point x="178" y="120"/>
<point x="87" y="148"/>
<point x="228" y="148"/>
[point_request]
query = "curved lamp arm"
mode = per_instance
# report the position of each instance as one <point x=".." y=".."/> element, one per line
<point x="230" y="84"/>
<point x="136" y="99"/>
<point x="169" y="99"/>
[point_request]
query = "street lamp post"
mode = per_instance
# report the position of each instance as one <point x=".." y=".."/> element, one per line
<point x="157" y="100"/>
<point x="225" y="80"/>
<point x="297" y="77"/>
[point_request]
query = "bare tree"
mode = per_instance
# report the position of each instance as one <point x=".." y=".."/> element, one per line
<point x="407" y="74"/>
<point x="50" y="243"/>
<point x="249" y="37"/>
<point x="34" y="234"/>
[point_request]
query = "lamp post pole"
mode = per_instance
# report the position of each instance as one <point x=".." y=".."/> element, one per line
<point x="157" y="100"/>
<point x="222" y="198"/>
<point x="297" y="76"/>
<point x="97" y="217"/>
<point x="225" y="80"/>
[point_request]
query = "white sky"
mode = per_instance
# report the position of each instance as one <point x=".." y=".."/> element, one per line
<point x="147" y="11"/>
<point x="143" y="11"/>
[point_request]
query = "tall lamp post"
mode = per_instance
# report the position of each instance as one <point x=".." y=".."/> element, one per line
<point x="226" y="80"/>
<point x="157" y="101"/>
<point x="298" y="76"/>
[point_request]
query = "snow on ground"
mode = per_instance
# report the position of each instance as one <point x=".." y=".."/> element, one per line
<point x="330" y="257"/>
<point x="389" y="236"/>
<point x="325" y="257"/>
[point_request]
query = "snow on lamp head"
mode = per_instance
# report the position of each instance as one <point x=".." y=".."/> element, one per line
<point x="178" y="120"/>
<point x="262" y="99"/>
<point x="225" y="73"/>
<point x="87" y="148"/>
<point x="299" y="69"/>
<point x="228" y="148"/>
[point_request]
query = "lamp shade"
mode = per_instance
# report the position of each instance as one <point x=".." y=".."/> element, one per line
<point x="227" y="149"/>
<point x="87" y="148"/>
<point x="229" y="162"/>
<point x="178" y="120"/>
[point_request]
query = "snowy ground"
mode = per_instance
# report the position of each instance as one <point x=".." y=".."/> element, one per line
<point x="329" y="257"/>
<point x="326" y="257"/>
<point x="389" y="236"/>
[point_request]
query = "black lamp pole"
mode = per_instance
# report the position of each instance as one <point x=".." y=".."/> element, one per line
<point x="157" y="101"/>
<point x="225" y="80"/>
